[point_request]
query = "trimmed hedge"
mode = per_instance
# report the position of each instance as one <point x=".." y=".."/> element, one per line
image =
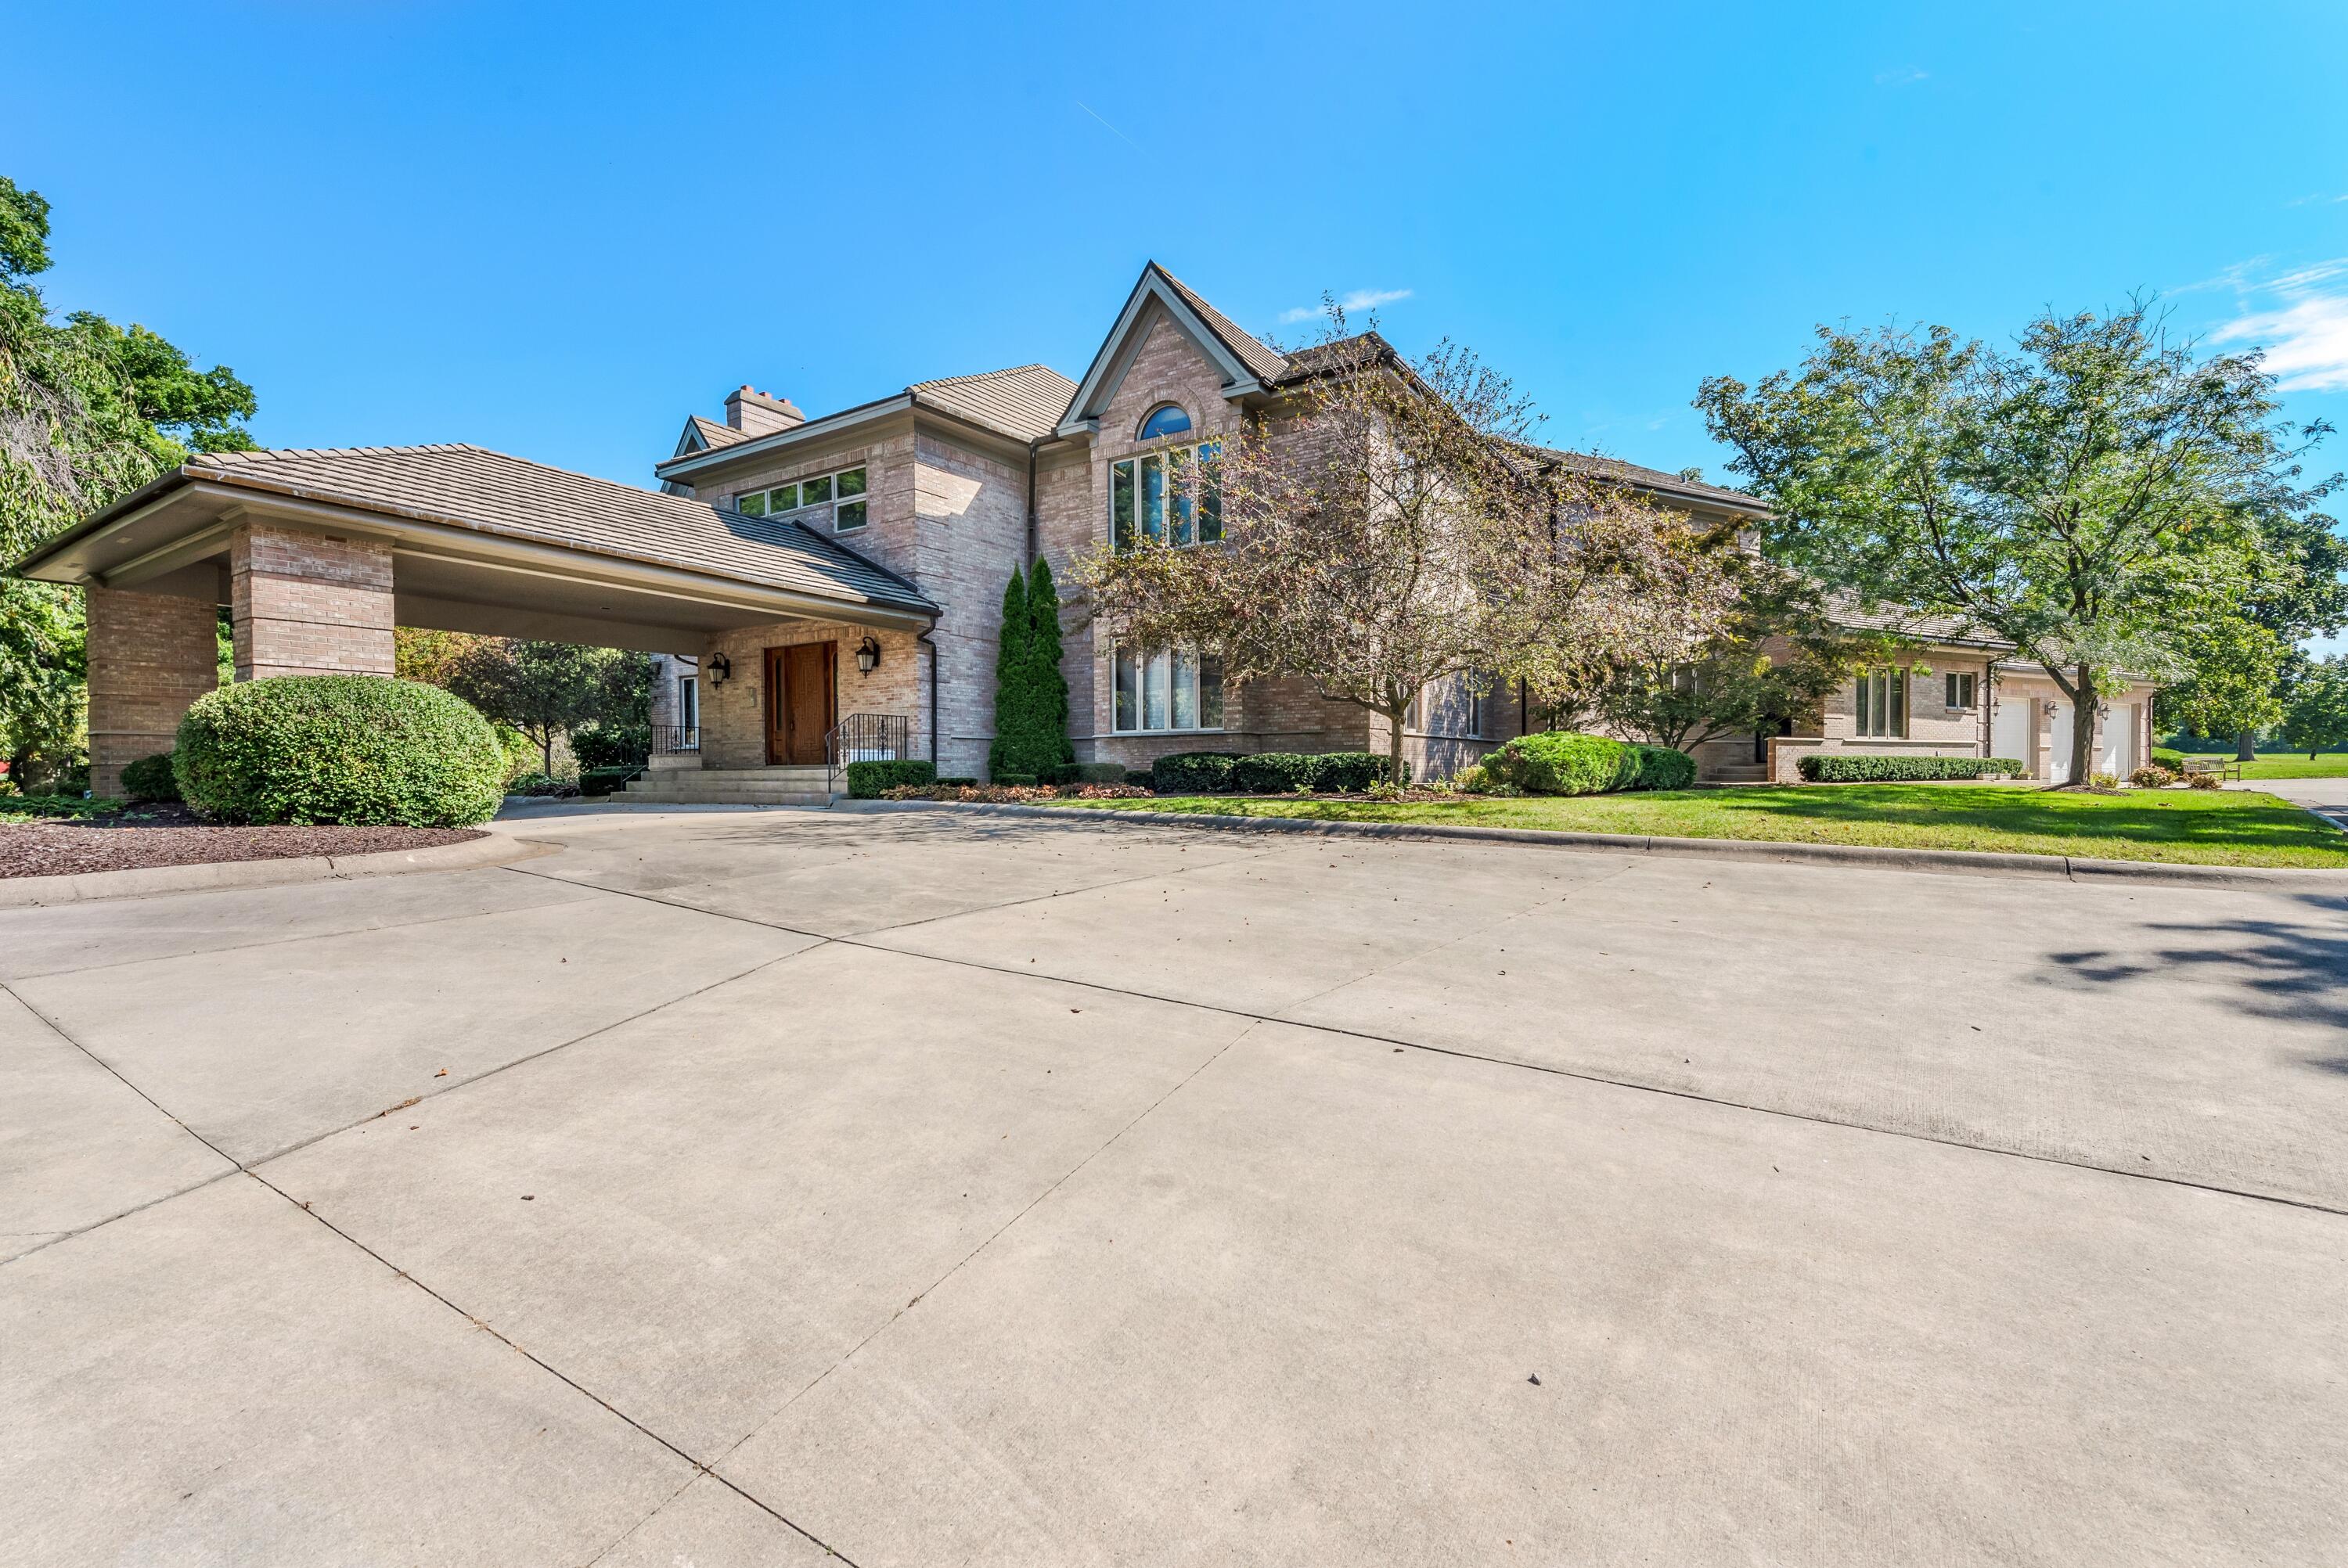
<point x="600" y="747"/>
<point x="360" y="749"/>
<point x="1084" y="773"/>
<point x="1827" y="767"/>
<point x="867" y="780"/>
<point x="1561" y="762"/>
<point x="150" y="778"/>
<point x="1275" y="772"/>
<point x="1193" y="773"/>
<point x="1351" y="772"/>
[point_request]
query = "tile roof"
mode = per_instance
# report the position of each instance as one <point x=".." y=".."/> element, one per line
<point x="1024" y="401"/>
<point x="1261" y="361"/>
<point x="1654" y="479"/>
<point x="489" y="492"/>
<point x="716" y="433"/>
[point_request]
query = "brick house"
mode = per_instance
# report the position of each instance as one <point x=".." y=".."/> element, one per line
<point x="831" y="586"/>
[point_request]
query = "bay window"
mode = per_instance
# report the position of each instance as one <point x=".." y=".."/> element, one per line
<point x="1171" y="689"/>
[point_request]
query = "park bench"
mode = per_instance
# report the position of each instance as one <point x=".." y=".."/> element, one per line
<point x="2222" y="767"/>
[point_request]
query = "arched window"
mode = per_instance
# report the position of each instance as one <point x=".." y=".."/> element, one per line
<point x="1165" y="419"/>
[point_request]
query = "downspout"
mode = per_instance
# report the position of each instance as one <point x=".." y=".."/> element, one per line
<point x="1034" y="526"/>
<point x="922" y="638"/>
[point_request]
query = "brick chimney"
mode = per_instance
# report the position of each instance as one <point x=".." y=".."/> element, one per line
<point x="754" y="413"/>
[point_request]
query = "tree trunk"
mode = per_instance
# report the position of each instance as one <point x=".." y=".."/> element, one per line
<point x="1394" y="746"/>
<point x="546" y="748"/>
<point x="2083" y="728"/>
<point x="2246" y="749"/>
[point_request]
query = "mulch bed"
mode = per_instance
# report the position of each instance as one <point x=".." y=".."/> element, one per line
<point x="171" y="837"/>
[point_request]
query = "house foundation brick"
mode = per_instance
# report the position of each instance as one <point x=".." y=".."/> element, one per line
<point x="310" y="603"/>
<point x="150" y="656"/>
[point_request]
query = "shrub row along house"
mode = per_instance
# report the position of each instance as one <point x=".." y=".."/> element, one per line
<point x="824" y="588"/>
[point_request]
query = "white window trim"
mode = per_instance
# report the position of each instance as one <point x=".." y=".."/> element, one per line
<point x="1116" y="729"/>
<point x="830" y="507"/>
<point x="1968" y="688"/>
<point x="1894" y="677"/>
<point x="1192" y="451"/>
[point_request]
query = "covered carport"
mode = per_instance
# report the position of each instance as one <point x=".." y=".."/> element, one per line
<point x="319" y="554"/>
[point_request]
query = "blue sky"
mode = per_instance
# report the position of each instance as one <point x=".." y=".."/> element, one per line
<point x="555" y="230"/>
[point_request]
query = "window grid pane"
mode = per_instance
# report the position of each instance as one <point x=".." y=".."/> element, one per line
<point x="1210" y="493"/>
<point x="785" y="499"/>
<point x="1177" y="475"/>
<point x="1185" y="690"/>
<point x="1153" y="497"/>
<point x="753" y="505"/>
<point x="1211" y="692"/>
<point x="851" y="483"/>
<point x="1128" y="691"/>
<point x="1897" y="682"/>
<point x="1120" y="507"/>
<point x="849" y="518"/>
<point x="1155" y="691"/>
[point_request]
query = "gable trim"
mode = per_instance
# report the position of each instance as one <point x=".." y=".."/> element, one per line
<point x="1117" y="351"/>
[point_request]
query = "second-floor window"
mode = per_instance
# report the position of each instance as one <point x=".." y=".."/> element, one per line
<point x="835" y="500"/>
<point x="1174" y="496"/>
<point x="1883" y="703"/>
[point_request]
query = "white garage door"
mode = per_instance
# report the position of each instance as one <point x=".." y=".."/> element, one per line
<point x="2012" y="734"/>
<point x="2115" y="756"/>
<point x="2058" y="767"/>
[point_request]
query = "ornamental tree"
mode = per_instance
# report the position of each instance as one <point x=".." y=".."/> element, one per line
<point x="548" y="689"/>
<point x="2091" y="495"/>
<point x="1389" y="526"/>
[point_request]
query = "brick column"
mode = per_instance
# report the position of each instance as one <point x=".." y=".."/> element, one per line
<point x="310" y="604"/>
<point x="150" y="655"/>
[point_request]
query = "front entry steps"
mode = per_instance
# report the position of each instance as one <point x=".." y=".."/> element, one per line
<point x="733" y="786"/>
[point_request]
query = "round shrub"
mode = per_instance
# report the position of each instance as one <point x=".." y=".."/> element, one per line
<point x="1560" y="763"/>
<point x="1660" y="767"/>
<point x="150" y="778"/>
<point x="362" y="750"/>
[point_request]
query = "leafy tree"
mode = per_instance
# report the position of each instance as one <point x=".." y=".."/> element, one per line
<point x="1778" y="654"/>
<point x="1392" y="527"/>
<point x="2317" y="719"/>
<point x="88" y="413"/>
<point x="2092" y="497"/>
<point x="548" y="689"/>
<point x="2234" y="667"/>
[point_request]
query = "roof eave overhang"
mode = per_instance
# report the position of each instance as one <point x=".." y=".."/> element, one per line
<point x="421" y="536"/>
<point x="827" y="427"/>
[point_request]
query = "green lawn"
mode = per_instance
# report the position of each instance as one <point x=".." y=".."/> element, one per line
<point x="2298" y="765"/>
<point x="2207" y="828"/>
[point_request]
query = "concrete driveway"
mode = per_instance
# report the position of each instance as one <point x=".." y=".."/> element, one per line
<point x="729" y="1189"/>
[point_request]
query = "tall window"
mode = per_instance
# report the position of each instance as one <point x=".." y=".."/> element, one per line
<point x="1175" y="496"/>
<point x="688" y="703"/>
<point x="1456" y="707"/>
<point x="1172" y="689"/>
<point x="835" y="500"/>
<point x="1883" y="703"/>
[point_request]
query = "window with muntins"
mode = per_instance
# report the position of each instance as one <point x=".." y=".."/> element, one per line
<point x="835" y="500"/>
<point x="1883" y="703"/>
<point x="1960" y="689"/>
<point x="1172" y="689"/>
<point x="1174" y="496"/>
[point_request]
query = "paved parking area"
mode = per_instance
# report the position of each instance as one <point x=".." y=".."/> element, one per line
<point x="729" y="1189"/>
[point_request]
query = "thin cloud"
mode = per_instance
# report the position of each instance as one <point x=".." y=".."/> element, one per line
<point x="2314" y="201"/>
<point x="2300" y="318"/>
<point x="1359" y="299"/>
<point x="1906" y="76"/>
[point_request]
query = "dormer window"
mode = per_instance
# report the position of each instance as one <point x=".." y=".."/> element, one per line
<point x="1165" y="419"/>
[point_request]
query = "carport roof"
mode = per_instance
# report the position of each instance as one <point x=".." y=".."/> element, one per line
<point x="465" y="487"/>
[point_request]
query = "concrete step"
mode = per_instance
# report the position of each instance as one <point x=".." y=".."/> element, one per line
<point x="1740" y="773"/>
<point x="797" y="786"/>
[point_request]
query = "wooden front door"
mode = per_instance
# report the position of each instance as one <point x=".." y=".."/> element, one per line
<point x="801" y="708"/>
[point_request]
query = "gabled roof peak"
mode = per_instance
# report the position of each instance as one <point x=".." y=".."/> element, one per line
<point x="1246" y="364"/>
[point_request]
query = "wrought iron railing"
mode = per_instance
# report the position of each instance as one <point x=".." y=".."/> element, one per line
<point x="867" y="738"/>
<point x="668" y="740"/>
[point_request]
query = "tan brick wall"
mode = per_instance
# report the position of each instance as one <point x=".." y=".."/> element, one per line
<point x="972" y="511"/>
<point x="309" y="603"/>
<point x="150" y="655"/>
<point x="733" y="713"/>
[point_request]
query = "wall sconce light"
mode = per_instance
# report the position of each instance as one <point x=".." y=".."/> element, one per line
<point x="720" y="668"/>
<point x="868" y="655"/>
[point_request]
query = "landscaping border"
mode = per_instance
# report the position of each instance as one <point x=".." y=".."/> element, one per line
<point x="1958" y="861"/>
<point x="89" y="886"/>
